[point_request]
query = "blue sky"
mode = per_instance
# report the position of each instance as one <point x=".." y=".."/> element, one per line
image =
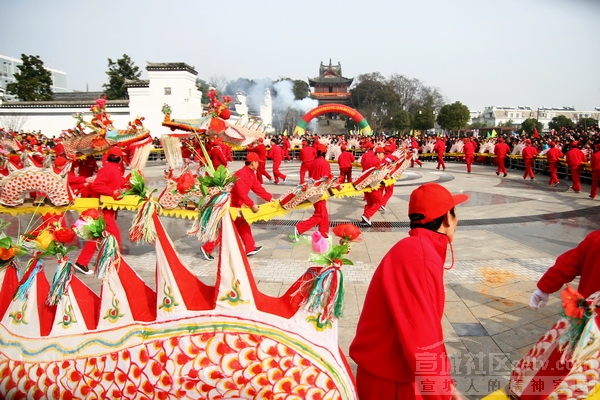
<point x="482" y="53"/>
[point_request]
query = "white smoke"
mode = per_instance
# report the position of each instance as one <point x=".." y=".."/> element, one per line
<point x="285" y="99"/>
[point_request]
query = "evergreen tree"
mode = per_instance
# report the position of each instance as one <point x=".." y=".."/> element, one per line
<point x="33" y="81"/>
<point x="118" y="72"/>
<point x="454" y="116"/>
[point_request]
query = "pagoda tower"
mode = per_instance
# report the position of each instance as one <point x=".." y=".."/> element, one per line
<point x="330" y="86"/>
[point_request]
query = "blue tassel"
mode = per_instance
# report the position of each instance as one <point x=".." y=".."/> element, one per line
<point x="23" y="290"/>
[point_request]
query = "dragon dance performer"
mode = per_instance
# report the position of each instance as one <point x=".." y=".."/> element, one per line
<point x="528" y="154"/>
<point x="415" y="147"/>
<point x="345" y="161"/>
<point x="261" y="151"/>
<point x="373" y="198"/>
<point x="306" y="156"/>
<point x="108" y="182"/>
<point x="401" y="320"/>
<point x="387" y="191"/>
<point x="552" y="157"/>
<point x="276" y="154"/>
<point x="575" y="159"/>
<point x="318" y="169"/>
<point x="469" y="150"/>
<point x="246" y="181"/>
<point x="501" y="150"/>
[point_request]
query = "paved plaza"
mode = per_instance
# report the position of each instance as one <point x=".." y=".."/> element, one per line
<point x="510" y="231"/>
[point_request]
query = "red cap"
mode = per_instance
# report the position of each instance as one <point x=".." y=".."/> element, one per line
<point x="552" y="144"/>
<point x="387" y="148"/>
<point x="575" y="143"/>
<point x="501" y="139"/>
<point x="251" y="156"/>
<point x="344" y="148"/>
<point x="433" y="201"/>
<point x="322" y="148"/>
<point x="380" y="150"/>
<point x="528" y="141"/>
<point x="368" y="145"/>
<point x="115" y="152"/>
<point x="260" y="140"/>
<point x="60" y="161"/>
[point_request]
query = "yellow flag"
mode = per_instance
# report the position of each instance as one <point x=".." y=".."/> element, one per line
<point x="494" y="133"/>
<point x="285" y="133"/>
<point x="412" y="133"/>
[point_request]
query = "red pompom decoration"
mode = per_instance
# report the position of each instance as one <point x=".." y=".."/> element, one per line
<point x="225" y="113"/>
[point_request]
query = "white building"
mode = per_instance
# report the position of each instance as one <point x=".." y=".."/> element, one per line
<point x="494" y="116"/>
<point x="168" y="83"/>
<point x="8" y="68"/>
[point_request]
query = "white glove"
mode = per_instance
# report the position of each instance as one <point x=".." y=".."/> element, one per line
<point x="538" y="299"/>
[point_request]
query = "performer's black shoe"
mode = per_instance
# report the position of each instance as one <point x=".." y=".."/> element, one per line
<point x="83" y="269"/>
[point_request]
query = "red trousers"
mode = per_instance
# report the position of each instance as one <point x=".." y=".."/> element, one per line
<point x="262" y="171"/>
<point x="374" y="203"/>
<point x="528" y="169"/>
<point x="319" y="218"/>
<point x="440" y="160"/>
<point x="575" y="174"/>
<point x="595" y="181"/>
<point x="88" y="250"/>
<point x="553" y="168"/>
<point x="304" y="170"/>
<point x="469" y="159"/>
<point x="373" y="387"/>
<point x="388" y="191"/>
<point x="346" y="174"/>
<point x="276" y="172"/>
<point x="501" y="167"/>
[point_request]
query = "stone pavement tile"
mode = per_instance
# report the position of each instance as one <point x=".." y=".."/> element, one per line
<point x="519" y="337"/>
<point x="448" y="329"/>
<point x="517" y="318"/>
<point x="473" y="294"/>
<point x="493" y="327"/>
<point x="508" y="305"/>
<point x="458" y="312"/>
<point x="481" y="311"/>
<point x="451" y="294"/>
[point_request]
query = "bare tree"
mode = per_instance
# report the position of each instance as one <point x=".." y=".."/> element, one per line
<point x="408" y="89"/>
<point x="218" y="82"/>
<point x="13" y="121"/>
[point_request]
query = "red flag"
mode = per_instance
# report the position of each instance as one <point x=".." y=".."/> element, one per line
<point x="536" y="134"/>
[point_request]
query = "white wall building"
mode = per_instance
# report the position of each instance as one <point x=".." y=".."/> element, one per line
<point x="494" y="116"/>
<point x="168" y="83"/>
<point x="8" y="68"/>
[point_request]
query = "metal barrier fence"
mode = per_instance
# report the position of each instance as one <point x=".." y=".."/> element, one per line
<point x="540" y="166"/>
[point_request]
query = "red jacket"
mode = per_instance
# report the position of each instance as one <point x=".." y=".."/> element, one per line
<point x="469" y="148"/>
<point x="583" y="260"/>
<point x="247" y="181"/>
<point x="553" y="154"/>
<point x="440" y="146"/>
<point x="529" y="152"/>
<point x="260" y="150"/>
<point x="369" y="159"/>
<point x="319" y="168"/>
<point x="575" y="157"/>
<point x="307" y="154"/>
<point x="501" y="149"/>
<point x="346" y="159"/>
<point x="403" y="310"/>
<point x="217" y="156"/>
<point x="595" y="161"/>
<point x="275" y="153"/>
<point x="109" y="179"/>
